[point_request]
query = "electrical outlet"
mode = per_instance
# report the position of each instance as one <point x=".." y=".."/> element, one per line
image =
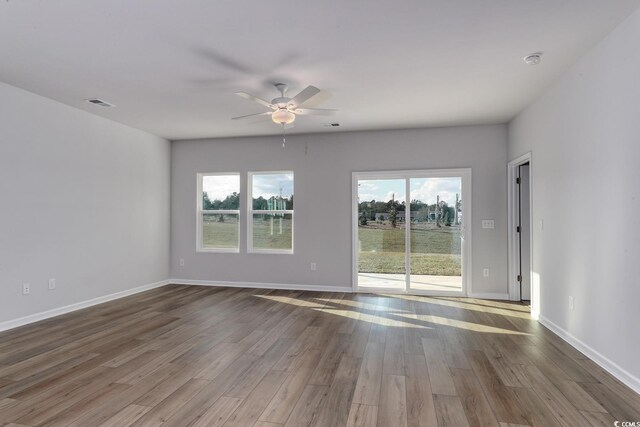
<point x="52" y="284"/>
<point x="571" y="305"/>
<point x="314" y="267"/>
<point x="485" y="272"/>
<point x="26" y="288"/>
<point x="181" y="262"/>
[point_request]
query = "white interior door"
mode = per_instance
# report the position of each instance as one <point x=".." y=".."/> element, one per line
<point x="525" y="234"/>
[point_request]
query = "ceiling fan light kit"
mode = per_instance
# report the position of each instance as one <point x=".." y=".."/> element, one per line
<point x="282" y="116"/>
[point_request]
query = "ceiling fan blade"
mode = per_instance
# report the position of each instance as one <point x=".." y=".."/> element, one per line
<point x="255" y="98"/>
<point x="304" y="96"/>
<point x="314" y="111"/>
<point x="266" y="113"/>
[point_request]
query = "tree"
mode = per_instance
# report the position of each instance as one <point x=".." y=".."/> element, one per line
<point x="231" y="202"/>
<point x="260" y="204"/>
<point x="206" y="203"/>
<point x="417" y="205"/>
<point x="363" y="218"/>
<point x="393" y="213"/>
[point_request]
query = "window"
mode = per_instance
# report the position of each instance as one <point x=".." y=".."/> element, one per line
<point x="218" y="212"/>
<point x="270" y="215"/>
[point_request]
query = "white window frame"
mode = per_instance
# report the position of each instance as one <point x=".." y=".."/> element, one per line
<point x="251" y="212"/>
<point x="200" y="212"/>
<point x="466" y="230"/>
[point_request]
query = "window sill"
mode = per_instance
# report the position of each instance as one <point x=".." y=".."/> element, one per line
<point x="218" y="250"/>
<point x="271" y="251"/>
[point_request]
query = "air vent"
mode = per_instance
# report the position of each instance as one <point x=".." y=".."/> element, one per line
<point x="331" y="125"/>
<point x="99" y="102"/>
<point x="533" y="59"/>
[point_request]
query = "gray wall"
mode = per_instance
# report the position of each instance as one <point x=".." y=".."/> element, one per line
<point x="323" y="164"/>
<point x="83" y="199"/>
<point x="584" y="135"/>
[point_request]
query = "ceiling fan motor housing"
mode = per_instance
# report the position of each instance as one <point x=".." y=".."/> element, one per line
<point x="281" y="102"/>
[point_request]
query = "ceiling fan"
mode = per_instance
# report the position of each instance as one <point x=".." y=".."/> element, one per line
<point x="284" y="109"/>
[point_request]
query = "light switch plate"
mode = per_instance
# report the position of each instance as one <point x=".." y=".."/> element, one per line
<point x="488" y="223"/>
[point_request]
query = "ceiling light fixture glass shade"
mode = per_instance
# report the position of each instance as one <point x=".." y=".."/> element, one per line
<point x="282" y="116"/>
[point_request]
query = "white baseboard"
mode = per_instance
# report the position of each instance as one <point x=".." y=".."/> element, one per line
<point x="261" y="285"/>
<point x="21" y="321"/>
<point x="481" y="295"/>
<point x="605" y="363"/>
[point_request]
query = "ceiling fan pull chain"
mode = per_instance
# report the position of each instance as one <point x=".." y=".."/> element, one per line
<point x="284" y="136"/>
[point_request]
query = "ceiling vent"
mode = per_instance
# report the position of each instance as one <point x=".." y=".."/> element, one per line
<point x="99" y="102"/>
<point x="533" y="59"/>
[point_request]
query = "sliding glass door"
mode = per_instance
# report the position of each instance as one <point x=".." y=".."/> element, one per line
<point x="409" y="231"/>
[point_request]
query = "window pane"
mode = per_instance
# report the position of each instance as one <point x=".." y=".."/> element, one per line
<point x="381" y="233"/>
<point x="220" y="231"/>
<point x="272" y="231"/>
<point x="436" y="246"/>
<point x="220" y="192"/>
<point x="273" y="191"/>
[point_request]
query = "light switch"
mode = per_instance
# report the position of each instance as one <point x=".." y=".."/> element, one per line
<point x="488" y="223"/>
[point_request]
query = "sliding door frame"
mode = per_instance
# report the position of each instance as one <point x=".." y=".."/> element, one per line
<point x="466" y="229"/>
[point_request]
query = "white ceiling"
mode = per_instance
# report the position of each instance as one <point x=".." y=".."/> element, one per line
<point x="172" y="67"/>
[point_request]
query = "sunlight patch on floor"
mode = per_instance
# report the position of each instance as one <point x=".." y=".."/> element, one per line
<point x="461" y="324"/>
<point x="377" y="320"/>
<point x="292" y="301"/>
<point x="468" y="305"/>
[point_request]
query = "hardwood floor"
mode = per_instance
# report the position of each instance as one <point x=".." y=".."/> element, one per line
<point x="202" y="356"/>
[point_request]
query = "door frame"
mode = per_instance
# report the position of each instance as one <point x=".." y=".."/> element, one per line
<point x="513" y="243"/>
<point x="466" y="229"/>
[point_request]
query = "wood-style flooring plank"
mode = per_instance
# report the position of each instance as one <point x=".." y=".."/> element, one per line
<point x="392" y="410"/>
<point x="308" y="406"/>
<point x="334" y="409"/>
<point x="126" y="416"/>
<point x="449" y="411"/>
<point x="219" y="412"/>
<point x="420" y="406"/>
<point x="439" y="374"/>
<point x="475" y="404"/>
<point x="362" y="416"/>
<point x="370" y="377"/>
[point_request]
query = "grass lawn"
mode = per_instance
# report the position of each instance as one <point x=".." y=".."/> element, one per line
<point x="434" y="251"/>
<point x="225" y="234"/>
<point x="264" y="238"/>
<point x="218" y="234"/>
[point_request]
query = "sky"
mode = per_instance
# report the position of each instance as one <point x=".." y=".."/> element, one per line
<point x="423" y="189"/>
<point x="218" y="187"/>
<point x="269" y="185"/>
